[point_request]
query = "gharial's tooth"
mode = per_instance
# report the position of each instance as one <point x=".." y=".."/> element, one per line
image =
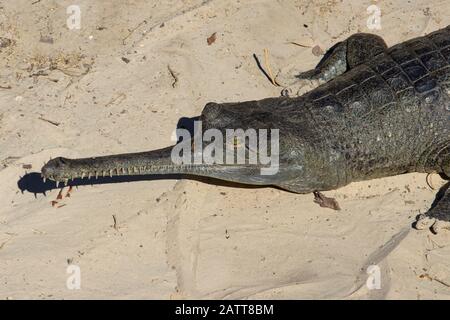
<point x="82" y="175"/>
<point x="57" y="183"/>
<point x="96" y="174"/>
<point x="103" y="173"/>
<point x="44" y="179"/>
<point x="110" y="173"/>
<point x="66" y="181"/>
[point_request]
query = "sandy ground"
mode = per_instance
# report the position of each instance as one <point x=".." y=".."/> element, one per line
<point x="106" y="88"/>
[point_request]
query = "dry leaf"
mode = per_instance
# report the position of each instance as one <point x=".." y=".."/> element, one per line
<point x="325" y="201"/>
<point x="211" y="39"/>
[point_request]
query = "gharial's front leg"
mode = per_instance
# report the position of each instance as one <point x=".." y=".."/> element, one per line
<point x="438" y="217"/>
<point x="343" y="56"/>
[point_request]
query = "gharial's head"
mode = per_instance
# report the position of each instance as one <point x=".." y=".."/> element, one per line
<point x="240" y="138"/>
<point x="277" y="135"/>
<point x="248" y="142"/>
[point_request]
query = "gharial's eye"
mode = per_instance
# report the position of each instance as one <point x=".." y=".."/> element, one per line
<point x="239" y="143"/>
<point x="242" y="143"/>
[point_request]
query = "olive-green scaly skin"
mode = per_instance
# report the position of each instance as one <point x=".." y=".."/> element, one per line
<point x="378" y="112"/>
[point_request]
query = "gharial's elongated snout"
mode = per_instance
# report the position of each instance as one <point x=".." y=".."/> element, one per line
<point x="156" y="161"/>
<point x="153" y="162"/>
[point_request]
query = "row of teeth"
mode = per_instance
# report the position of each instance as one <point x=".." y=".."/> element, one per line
<point x="119" y="171"/>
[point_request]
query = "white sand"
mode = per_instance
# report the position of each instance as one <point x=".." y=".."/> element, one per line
<point x="188" y="239"/>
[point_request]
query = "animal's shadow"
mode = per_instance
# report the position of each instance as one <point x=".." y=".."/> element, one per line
<point x="34" y="183"/>
<point x="440" y="193"/>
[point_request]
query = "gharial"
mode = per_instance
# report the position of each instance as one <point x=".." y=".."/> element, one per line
<point x="377" y="112"/>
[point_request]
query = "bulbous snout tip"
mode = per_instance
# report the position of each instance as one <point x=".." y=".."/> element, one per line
<point x="54" y="169"/>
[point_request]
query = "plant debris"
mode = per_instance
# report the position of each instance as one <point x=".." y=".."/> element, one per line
<point x="211" y="39"/>
<point x="115" y="222"/>
<point x="267" y="71"/>
<point x="5" y="42"/>
<point x="299" y="44"/>
<point x="326" y="202"/>
<point x="119" y="98"/>
<point x="49" y="121"/>
<point x="317" y="51"/>
<point x="46" y="39"/>
<point x="68" y="192"/>
<point x="174" y="76"/>
<point x="429" y="181"/>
